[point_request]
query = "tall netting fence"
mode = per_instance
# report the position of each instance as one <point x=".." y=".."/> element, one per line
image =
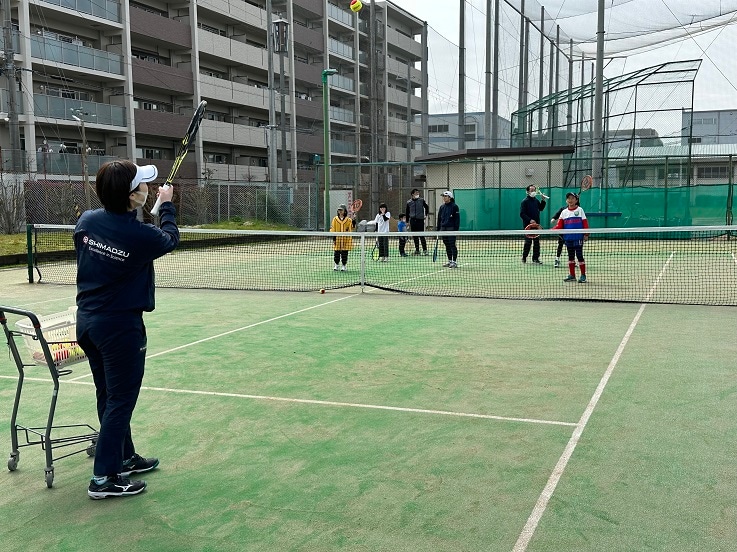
<point x="198" y="202"/>
<point x="684" y="265"/>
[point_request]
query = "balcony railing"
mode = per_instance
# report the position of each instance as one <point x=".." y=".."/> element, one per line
<point x="341" y="114"/>
<point x="344" y="83"/>
<point x="340" y="48"/>
<point x="95" y="113"/>
<point x="50" y="49"/>
<point x="341" y="146"/>
<point x="70" y="163"/>
<point x="15" y="40"/>
<point x="104" y="9"/>
<point x="334" y="12"/>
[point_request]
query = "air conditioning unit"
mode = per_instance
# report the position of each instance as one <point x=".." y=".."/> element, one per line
<point x="529" y="172"/>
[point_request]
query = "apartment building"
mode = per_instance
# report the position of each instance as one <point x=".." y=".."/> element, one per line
<point x="106" y="79"/>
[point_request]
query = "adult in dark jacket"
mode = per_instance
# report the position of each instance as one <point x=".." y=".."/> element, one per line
<point x="416" y="213"/>
<point x="529" y="211"/>
<point x="115" y="286"/>
<point x="449" y="219"/>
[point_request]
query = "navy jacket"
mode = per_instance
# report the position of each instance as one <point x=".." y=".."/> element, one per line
<point x="449" y="216"/>
<point x="530" y="210"/>
<point x="115" y="254"/>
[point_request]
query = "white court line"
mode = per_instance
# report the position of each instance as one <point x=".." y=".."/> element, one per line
<point x="232" y="331"/>
<point x="542" y="502"/>
<point x="326" y="403"/>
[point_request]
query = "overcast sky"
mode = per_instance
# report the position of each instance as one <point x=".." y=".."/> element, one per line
<point x="716" y="82"/>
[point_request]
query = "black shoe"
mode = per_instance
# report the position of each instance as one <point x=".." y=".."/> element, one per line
<point x="537" y="261"/>
<point x="115" y="486"/>
<point x="138" y="464"/>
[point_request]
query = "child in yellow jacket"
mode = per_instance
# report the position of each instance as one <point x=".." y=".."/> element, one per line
<point x="342" y="244"/>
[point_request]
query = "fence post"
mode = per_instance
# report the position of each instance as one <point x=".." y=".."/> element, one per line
<point x="29" y="247"/>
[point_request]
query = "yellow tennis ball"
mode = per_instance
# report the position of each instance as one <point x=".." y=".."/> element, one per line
<point x="356" y="6"/>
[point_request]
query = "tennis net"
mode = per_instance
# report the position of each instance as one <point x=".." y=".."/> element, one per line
<point x="684" y="265"/>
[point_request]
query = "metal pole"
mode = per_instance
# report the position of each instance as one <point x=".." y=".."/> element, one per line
<point x="495" y="84"/>
<point x="326" y="140"/>
<point x="283" y="119"/>
<point x="462" y="77"/>
<point x="487" y="91"/>
<point x="10" y="75"/>
<point x="598" y="138"/>
<point x="271" y="149"/>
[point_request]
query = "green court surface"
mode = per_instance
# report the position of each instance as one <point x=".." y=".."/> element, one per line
<point x="378" y="421"/>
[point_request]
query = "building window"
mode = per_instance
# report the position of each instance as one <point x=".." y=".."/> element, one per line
<point x="720" y="171"/>
<point x="694" y="140"/>
<point x="210" y="29"/>
<point x="149" y="153"/>
<point x="437" y="128"/>
<point x="217" y="158"/>
<point x="211" y="73"/>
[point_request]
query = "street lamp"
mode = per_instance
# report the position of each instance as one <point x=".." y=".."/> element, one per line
<point x="326" y="136"/>
<point x="281" y="47"/>
<point x="85" y="171"/>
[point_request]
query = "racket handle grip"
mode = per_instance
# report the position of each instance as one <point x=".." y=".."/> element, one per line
<point x="157" y="205"/>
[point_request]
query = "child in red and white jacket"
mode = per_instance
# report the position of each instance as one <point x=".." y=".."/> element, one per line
<point x="573" y="217"/>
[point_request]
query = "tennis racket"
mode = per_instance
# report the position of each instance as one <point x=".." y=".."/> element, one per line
<point x="375" y="251"/>
<point x="435" y="249"/>
<point x="530" y="228"/>
<point x="194" y="126"/>
<point x="541" y="194"/>
<point x="586" y="183"/>
<point x="354" y="207"/>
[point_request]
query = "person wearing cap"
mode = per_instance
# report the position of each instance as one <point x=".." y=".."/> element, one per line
<point x="115" y="286"/>
<point x="416" y="213"/>
<point x="573" y="218"/>
<point x="561" y="241"/>
<point x="529" y="212"/>
<point x="342" y="244"/>
<point x="449" y="220"/>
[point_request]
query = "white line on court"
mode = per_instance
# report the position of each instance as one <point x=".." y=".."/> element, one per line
<point x="326" y="403"/>
<point x="542" y="502"/>
<point x="233" y="331"/>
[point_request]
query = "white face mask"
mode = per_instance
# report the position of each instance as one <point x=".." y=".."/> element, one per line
<point x="416" y="196"/>
<point x="532" y="194"/>
<point x="139" y="199"/>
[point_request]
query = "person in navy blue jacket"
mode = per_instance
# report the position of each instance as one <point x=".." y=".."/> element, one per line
<point x="449" y="219"/>
<point x="115" y="286"/>
<point x="529" y="212"/>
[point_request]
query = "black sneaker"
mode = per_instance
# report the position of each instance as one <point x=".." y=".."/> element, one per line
<point x="536" y="261"/>
<point x="115" y="486"/>
<point x="138" y="464"/>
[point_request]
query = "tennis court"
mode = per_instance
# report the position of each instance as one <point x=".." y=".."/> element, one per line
<point x="385" y="421"/>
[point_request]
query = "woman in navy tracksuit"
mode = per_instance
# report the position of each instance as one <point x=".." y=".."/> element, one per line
<point x="115" y="286"/>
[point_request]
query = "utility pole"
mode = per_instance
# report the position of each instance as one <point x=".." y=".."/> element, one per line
<point x="10" y="72"/>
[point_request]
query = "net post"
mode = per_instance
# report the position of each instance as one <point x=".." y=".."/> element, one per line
<point x="29" y="254"/>
<point x="363" y="261"/>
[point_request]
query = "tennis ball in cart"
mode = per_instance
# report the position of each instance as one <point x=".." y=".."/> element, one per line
<point x="356" y="6"/>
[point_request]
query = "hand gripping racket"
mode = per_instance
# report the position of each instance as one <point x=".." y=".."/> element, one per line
<point x="194" y="126"/>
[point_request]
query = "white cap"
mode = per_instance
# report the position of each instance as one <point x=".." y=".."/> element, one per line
<point x="144" y="173"/>
<point x="448" y="193"/>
